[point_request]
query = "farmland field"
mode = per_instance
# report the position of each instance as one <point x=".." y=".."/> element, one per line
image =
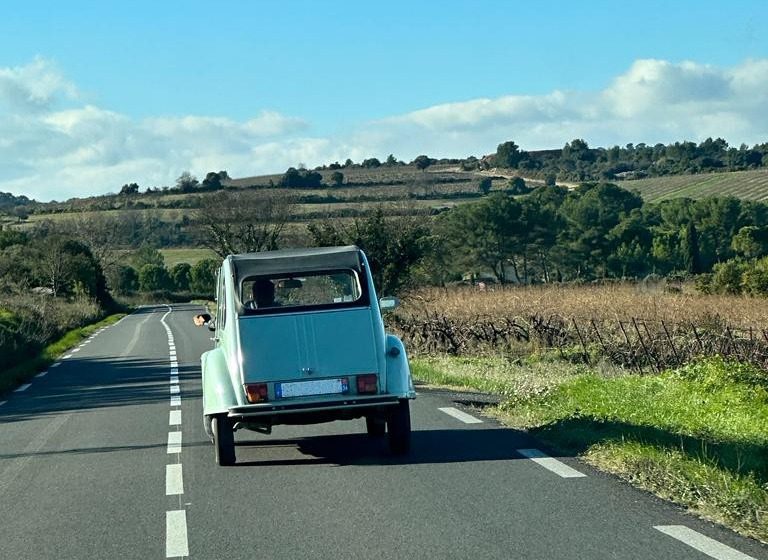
<point x="747" y="185"/>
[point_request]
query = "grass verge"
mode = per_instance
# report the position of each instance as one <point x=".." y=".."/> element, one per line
<point x="696" y="435"/>
<point x="12" y="377"/>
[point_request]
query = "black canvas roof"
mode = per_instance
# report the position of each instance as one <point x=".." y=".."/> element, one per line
<point x="295" y="260"/>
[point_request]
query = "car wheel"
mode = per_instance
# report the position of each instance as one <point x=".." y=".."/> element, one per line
<point x="223" y="440"/>
<point x="399" y="428"/>
<point x="375" y="425"/>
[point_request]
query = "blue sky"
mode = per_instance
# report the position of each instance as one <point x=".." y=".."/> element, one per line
<point x="96" y="94"/>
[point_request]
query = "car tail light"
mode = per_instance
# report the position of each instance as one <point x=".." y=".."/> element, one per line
<point x="367" y="383"/>
<point x="256" y="392"/>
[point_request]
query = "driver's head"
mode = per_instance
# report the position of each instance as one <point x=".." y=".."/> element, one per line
<point x="263" y="292"/>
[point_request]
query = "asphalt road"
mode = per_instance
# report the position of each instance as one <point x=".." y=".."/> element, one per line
<point x="105" y="457"/>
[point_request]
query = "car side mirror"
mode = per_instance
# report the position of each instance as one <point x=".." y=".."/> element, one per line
<point x="388" y="304"/>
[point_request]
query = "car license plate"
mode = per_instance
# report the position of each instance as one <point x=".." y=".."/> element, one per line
<point x="315" y="387"/>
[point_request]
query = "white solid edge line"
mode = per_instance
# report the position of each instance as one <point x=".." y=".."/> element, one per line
<point x="174" y="481"/>
<point x="174" y="418"/>
<point x="23" y="388"/>
<point x="176" y="534"/>
<point x="704" y="544"/>
<point x="175" y="400"/>
<point x="174" y="442"/>
<point x="550" y="463"/>
<point x="459" y="415"/>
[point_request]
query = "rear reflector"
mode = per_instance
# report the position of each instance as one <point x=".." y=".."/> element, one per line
<point x="256" y="392"/>
<point x="367" y="383"/>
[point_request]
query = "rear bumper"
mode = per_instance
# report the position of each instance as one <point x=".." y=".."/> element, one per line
<point x="272" y="409"/>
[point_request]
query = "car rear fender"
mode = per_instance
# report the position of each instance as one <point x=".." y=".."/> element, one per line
<point x="399" y="381"/>
<point x="218" y="394"/>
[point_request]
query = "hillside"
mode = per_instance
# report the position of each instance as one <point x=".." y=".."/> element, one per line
<point x="747" y="185"/>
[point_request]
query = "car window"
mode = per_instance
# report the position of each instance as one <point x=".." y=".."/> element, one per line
<point x="305" y="290"/>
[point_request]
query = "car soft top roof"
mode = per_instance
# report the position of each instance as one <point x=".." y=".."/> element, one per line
<point x="287" y="261"/>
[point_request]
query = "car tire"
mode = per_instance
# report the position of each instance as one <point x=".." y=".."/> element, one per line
<point x="399" y="428"/>
<point x="223" y="440"/>
<point x="376" y="426"/>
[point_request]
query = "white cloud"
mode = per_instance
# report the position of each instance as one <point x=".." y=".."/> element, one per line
<point x="50" y="152"/>
<point x="33" y="87"/>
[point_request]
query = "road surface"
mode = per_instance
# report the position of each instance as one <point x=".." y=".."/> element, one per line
<point x="104" y="456"/>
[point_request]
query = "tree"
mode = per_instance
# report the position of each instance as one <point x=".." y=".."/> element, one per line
<point x="371" y="163"/>
<point x="301" y="178"/>
<point x="727" y="277"/>
<point x="485" y="235"/>
<point x="212" y="181"/>
<point x="123" y="279"/>
<point x="128" y="189"/>
<point x="485" y="184"/>
<point x="691" y="251"/>
<point x="391" y="160"/>
<point x="517" y="185"/>
<point x="186" y="182"/>
<point x="394" y="246"/>
<point x="337" y="179"/>
<point x="422" y="162"/>
<point x="244" y="221"/>
<point x="508" y="154"/>
<point x="153" y="277"/>
<point x="180" y="276"/>
<point x="202" y="277"/>
<point x="592" y="211"/>
<point x="751" y="242"/>
<point x="147" y="254"/>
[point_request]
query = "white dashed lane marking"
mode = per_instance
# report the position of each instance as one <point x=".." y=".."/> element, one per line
<point x="176" y="534"/>
<point x="57" y="364"/>
<point x="174" y="481"/>
<point x="708" y="546"/>
<point x="68" y="356"/>
<point x="174" y="418"/>
<point x="175" y="400"/>
<point x="459" y="415"/>
<point x="550" y="463"/>
<point x="174" y="380"/>
<point x="174" y="389"/>
<point x="23" y="388"/>
<point x="42" y="374"/>
<point x="2" y="403"/>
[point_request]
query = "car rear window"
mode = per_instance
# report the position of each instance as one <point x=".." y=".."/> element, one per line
<point x="292" y="292"/>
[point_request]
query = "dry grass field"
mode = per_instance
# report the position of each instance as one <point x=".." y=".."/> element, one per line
<point x="600" y="302"/>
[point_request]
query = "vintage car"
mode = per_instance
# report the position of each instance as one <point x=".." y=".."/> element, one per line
<point x="299" y="339"/>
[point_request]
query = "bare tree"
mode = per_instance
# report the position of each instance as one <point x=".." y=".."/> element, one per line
<point x="102" y="233"/>
<point x="243" y="221"/>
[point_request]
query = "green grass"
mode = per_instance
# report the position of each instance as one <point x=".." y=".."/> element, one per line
<point x="697" y="435"/>
<point x="192" y="256"/>
<point x="16" y="375"/>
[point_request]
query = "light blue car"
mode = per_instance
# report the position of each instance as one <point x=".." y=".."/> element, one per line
<point x="300" y="340"/>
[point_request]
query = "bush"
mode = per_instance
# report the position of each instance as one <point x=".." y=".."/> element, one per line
<point x="727" y="277"/>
